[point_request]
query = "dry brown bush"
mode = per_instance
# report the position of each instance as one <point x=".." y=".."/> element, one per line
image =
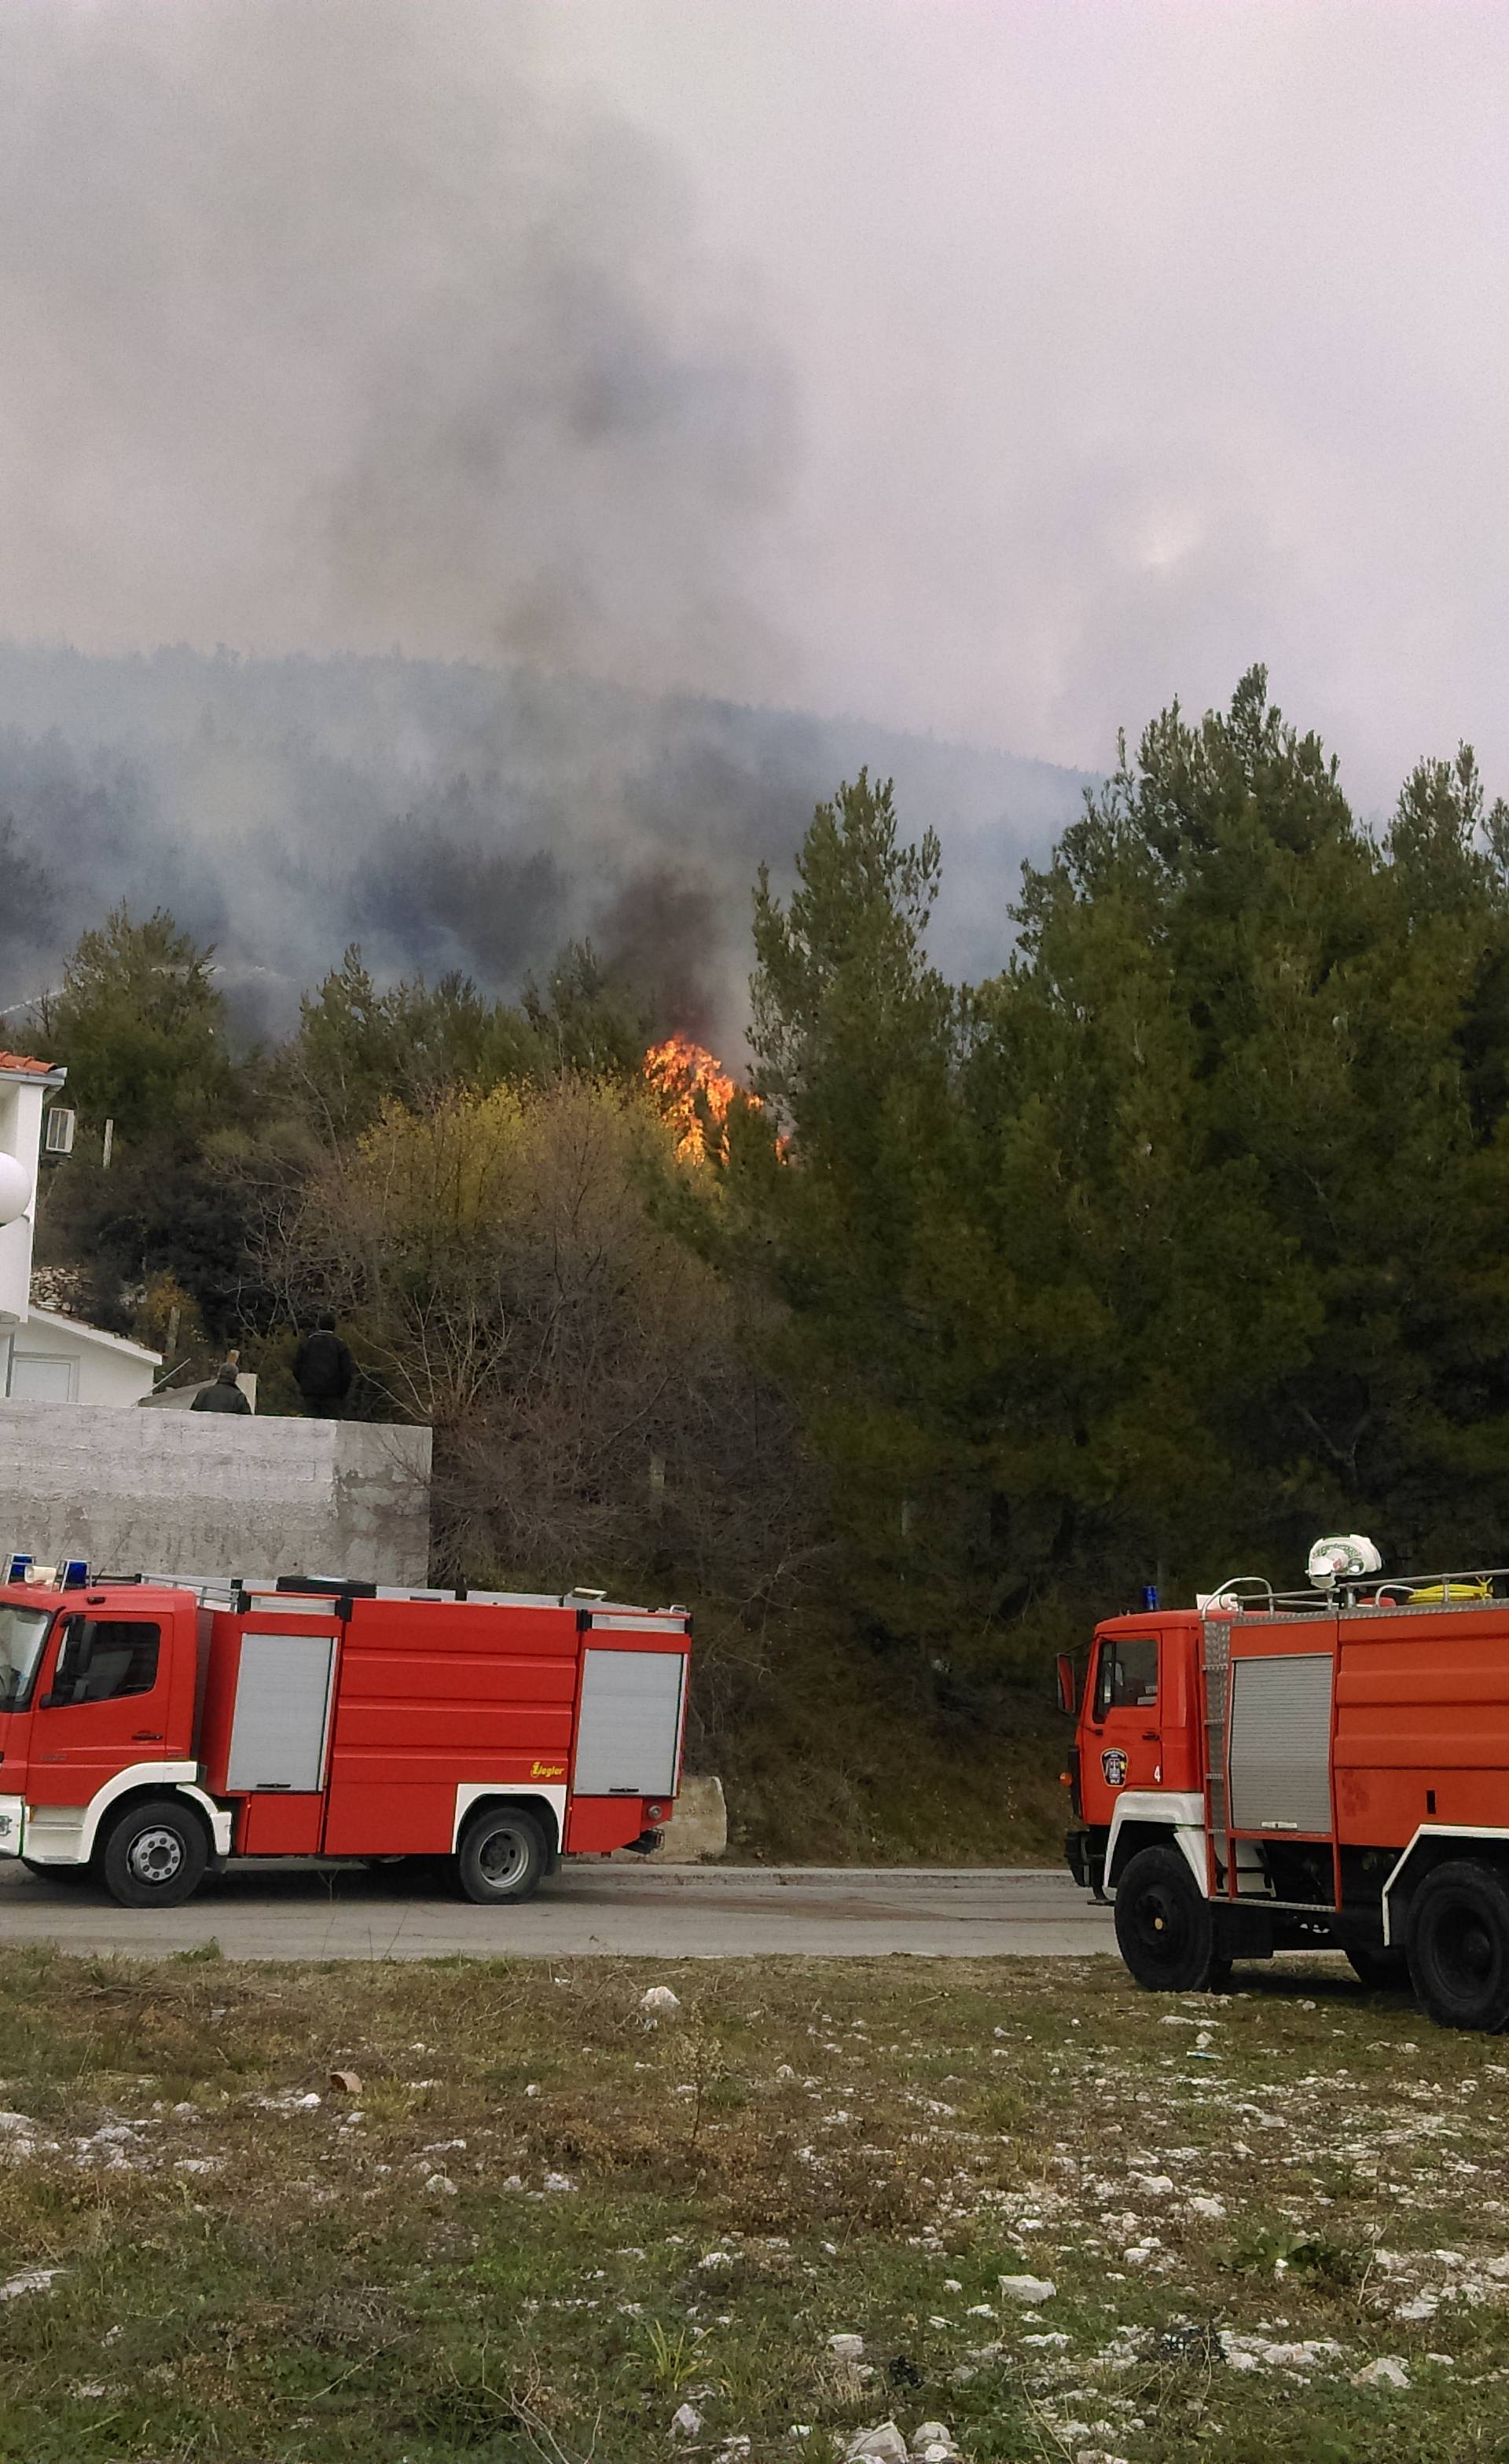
<point x="508" y="1266"/>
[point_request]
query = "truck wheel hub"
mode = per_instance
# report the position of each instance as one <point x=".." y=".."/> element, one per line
<point x="1465" y="1951"/>
<point x="156" y="1856"/>
<point x="502" y="1858"/>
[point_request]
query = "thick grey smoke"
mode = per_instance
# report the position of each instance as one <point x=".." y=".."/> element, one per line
<point x="348" y="323"/>
<point x="334" y="323"/>
<point x="449" y="816"/>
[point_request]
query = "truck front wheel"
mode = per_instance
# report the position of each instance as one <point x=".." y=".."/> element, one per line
<point x="502" y="1858"/>
<point x="1166" y="1927"/>
<point x="1458" y="1947"/>
<point x="154" y="1854"/>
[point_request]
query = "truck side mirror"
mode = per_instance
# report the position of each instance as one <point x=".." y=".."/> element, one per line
<point x="1068" y="1702"/>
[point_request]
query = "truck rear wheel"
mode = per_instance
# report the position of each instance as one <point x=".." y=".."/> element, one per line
<point x="502" y="1858"/>
<point x="1458" y="1947"/>
<point x="1166" y="1927"/>
<point x="154" y="1854"/>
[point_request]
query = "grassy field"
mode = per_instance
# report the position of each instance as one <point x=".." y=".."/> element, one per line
<point x="532" y="2225"/>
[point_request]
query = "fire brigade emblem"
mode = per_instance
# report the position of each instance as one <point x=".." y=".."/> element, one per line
<point x="1113" y="1762"/>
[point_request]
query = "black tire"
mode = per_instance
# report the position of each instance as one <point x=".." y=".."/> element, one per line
<point x="502" y="1858"/>
<point x="1166" y="1927"/>
<point x="74" y="1874"/>
<point x="154" y="1855"/>
<point x="1458" y="1947"/>
<point x="1382" y="1971"/>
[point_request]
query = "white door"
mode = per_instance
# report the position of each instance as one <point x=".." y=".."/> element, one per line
<point x="36" y="1377"/>
<point x="282" y="1707"/>
<point x="629" y="1725"/>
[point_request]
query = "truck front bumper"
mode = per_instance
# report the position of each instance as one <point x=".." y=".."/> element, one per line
<point x="12" y="1825"/>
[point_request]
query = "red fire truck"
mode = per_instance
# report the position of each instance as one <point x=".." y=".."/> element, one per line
<point x="1322" y="1769"/>
<point x="153" y="1730"/>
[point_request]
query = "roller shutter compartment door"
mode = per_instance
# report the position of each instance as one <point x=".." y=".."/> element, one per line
<point x="1281" y="1743"/>
<point x="629" y="1725"/>
<point x="283" y="1696"/>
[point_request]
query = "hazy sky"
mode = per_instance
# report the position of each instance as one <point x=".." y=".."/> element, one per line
<point x="1001" y="369"/>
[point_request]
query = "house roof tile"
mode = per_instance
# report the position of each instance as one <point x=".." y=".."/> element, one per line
<point x="19" y="1063"/>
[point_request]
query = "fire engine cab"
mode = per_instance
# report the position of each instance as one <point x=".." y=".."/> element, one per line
<point x="1326" y="1768"/>
<point x="152" y="1730"/>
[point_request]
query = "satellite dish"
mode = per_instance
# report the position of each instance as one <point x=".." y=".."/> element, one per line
<point x="15" y="1189"/>
<point x="1344" y="1559"/>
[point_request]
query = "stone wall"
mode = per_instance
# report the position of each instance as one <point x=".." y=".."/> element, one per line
<point x="202" y="1493"/>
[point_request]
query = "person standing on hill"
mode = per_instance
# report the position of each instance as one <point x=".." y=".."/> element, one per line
<point x="324" y="1372"/>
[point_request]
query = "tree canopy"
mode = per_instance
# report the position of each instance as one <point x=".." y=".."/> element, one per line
<point x="1177" y="1240"/>
<point x="1180" y="1238"/>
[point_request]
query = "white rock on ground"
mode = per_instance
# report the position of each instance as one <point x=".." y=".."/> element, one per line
<point x="36" y="2279"/>
<point x="685" y="2420"/>
<point x="932" y="2434"/>
<point x="1260" y="2353"/>
<point x="884" y="2444"/>
<point x="659" y="2003"/>
<point x="1028" y="2290"/>
<point x="1388" y="2371"/>
<point x="846" y="2349"/>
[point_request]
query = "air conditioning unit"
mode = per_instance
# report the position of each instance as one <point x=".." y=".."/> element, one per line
<point x="57" y="1130"/>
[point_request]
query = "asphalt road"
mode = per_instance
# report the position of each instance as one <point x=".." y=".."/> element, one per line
<point x="630" y="1913"/>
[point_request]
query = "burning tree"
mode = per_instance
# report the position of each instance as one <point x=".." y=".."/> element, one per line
<point x="695" y="1092"/>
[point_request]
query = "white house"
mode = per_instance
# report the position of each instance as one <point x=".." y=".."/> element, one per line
<point x="46" y="1357"/>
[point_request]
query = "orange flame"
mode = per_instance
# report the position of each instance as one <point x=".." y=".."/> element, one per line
<point x="695" y="1092"/>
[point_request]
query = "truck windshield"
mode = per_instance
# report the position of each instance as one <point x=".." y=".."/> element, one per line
<point x="22" y="1634"/>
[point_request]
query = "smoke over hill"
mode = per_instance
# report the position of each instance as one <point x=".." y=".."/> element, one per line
<point x="351" y="327"/>
<point x="452" y="816"/>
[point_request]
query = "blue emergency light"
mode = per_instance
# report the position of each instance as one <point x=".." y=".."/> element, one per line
<point x="75" y="1576"/>
<point x="1149" y="1596"/>
<point x="20" y="1568"/>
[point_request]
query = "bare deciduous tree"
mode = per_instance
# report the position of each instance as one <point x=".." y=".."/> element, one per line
<point x="512" y="1280"/>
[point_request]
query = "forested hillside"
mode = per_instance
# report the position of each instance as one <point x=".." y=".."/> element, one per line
<point x="1177" y="1241"/>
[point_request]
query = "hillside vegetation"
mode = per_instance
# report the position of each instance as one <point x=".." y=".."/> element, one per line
<point x="973" y="1308"/>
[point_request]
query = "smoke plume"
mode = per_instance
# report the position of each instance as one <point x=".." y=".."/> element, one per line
<point x="344" y="323"/>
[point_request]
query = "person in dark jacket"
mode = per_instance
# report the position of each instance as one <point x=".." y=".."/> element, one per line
<point x="324" y="1372"/>
<point x="223" y="1395"/>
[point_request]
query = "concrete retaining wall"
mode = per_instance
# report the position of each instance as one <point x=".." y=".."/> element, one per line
<point x="201" y="1493"/>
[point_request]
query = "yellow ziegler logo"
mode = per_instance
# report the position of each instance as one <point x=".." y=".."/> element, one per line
<point x="548" y="1771"/>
